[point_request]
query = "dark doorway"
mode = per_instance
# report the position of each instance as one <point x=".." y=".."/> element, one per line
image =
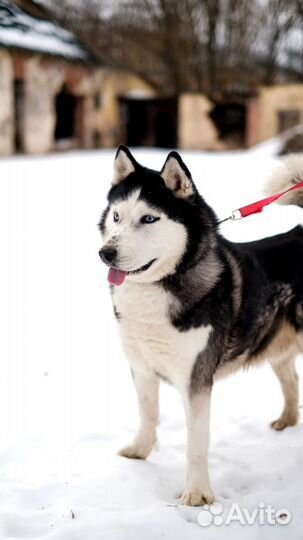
<point x="65" y="115"/>
<point x="230" y="120"/>
<point x="150" y="122"/>
<point x="19" y="110"/>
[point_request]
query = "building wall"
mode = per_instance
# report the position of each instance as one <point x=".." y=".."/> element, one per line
<point x="99" y="121"/>
<point x="263" y="113"/>
<point x="98" y="89"/>
<point x="6" y="104"/>
<point x="196" y="131"/>
<point x="41" y="83"/>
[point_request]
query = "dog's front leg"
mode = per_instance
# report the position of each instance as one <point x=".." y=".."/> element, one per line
<point x="147" y="387"/>
<point x="197" y="409"/>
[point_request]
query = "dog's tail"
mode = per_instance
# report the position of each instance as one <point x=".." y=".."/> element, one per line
<point x="288" y="174"/>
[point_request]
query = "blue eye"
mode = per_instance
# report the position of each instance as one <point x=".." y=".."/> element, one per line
<point x="116" y="217"/>
<point x="149" y="219"/>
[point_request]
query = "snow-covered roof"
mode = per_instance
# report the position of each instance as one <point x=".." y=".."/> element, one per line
<point x="22" y="31"/>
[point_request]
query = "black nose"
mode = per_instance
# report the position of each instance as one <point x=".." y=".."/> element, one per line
<point x="108" y="254"/>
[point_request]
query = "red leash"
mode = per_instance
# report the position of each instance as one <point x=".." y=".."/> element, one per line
<point x="258" y="206"/>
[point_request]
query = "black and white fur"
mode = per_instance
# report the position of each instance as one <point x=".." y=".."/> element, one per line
<point x="195" y="307"/>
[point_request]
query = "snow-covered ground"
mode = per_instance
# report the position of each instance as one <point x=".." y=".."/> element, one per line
<point x="66" y="397"/>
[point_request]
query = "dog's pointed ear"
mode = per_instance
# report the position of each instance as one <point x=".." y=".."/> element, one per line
<point x="124" y="164"/>
<point x="177" y="177"/>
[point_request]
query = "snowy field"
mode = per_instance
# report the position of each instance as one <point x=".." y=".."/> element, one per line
<point x="66" y="397"/>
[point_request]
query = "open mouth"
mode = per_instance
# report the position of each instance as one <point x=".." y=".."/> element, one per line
<point x="142" y="269"/>
<point x="116" y="276"/>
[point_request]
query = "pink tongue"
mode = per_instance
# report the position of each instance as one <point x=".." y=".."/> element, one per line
<point x="116" y="277"/>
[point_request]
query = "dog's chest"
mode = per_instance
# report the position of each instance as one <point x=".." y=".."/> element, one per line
<point x="150" y="340"/>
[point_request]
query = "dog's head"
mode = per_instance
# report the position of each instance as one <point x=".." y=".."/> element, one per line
<point x="154" y="221"/>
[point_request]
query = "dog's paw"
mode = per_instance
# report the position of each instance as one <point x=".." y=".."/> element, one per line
<point x="196" y="497"/>
<point x="134" y="451"/>
<point x="284" y="422"/>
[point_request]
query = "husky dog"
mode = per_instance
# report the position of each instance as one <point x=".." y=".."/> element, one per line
<point x="192" y="306"/>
